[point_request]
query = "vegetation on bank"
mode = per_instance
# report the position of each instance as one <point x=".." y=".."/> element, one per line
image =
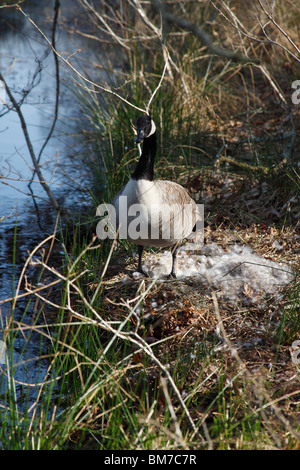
<point x="150" y="364"/>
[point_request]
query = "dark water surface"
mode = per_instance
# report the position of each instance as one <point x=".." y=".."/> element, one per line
<point x="22" y="223"/>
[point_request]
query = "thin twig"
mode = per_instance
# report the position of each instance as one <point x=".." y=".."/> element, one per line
<point x="159" y="84"/>
<point x="57" y="81"/>
<point x="12" y="5"/>
<point x="201" y="35"/>
<point x="259" y="392"/>
<point x="37" y="168"/>
<point x="242" y="30"/>
<point x="271" y="18"/>
<point x="82" y="77"/>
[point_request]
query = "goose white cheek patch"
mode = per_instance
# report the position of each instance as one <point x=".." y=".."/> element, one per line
<point x="153" y="128"/>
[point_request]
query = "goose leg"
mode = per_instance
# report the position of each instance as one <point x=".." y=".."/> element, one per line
<point x="140" y="269"/>
<point x="173" y="273"/>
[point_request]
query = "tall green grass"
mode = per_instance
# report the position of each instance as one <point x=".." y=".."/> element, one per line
<point x="105" y="387"/>
<point x="96" y="395"/>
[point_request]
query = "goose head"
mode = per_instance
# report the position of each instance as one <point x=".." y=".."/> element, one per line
<point x="144" y="127"/>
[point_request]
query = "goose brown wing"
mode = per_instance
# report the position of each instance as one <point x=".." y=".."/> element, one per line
<point x="184" y="208"/>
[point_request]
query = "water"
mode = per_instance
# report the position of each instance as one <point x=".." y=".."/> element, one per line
<point x="25" y="224"/>
<point x="21" y="54"/>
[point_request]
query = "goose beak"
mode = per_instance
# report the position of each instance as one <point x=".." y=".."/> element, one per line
<point x="140" y="136"/>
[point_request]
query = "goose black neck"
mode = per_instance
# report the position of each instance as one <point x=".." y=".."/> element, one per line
<point x="145" y="166"/>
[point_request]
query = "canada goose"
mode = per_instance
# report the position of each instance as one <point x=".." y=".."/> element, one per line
<point x="167" y="214"/>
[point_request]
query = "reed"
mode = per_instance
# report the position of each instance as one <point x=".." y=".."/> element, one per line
<point x="129" y="365"/>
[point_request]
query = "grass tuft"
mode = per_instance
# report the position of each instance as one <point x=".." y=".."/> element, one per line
<point x="125" y="364"/>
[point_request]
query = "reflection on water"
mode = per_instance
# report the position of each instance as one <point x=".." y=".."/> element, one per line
<point x="26" y="64"/>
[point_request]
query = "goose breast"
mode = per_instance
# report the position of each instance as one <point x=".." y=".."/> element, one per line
<point x="161" y="213"/>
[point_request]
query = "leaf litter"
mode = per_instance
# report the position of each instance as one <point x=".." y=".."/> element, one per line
<point x="251" y="267"/>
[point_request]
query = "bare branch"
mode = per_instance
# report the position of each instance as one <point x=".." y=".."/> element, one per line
<point x="202" y="35"/>
<point x="82" y="77"/>
<point x="105" y="24"/>
<point x="37" y="168"/>
<point x="258" y="390"/>
<point x="12" y="5"/>
<point x="271" y="18"/>
<point x="159" y="85"/>
<point x="56" y="10"/>
<point x="236" y="23"/>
